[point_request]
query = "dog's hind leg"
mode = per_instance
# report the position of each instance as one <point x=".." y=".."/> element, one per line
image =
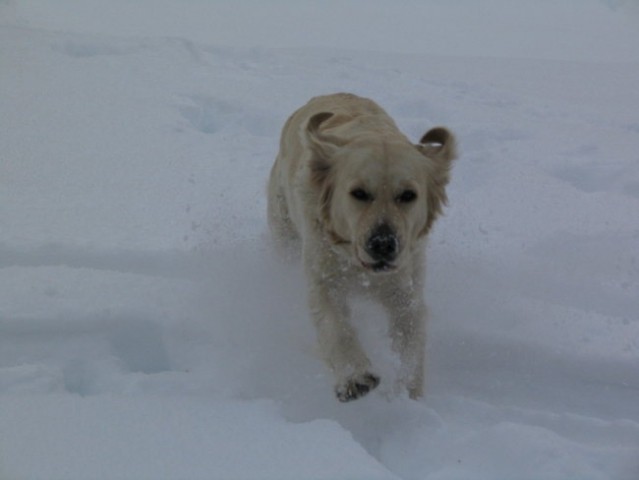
<point x="284" y="234"/>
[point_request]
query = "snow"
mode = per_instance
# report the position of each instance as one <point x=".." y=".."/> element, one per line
<point x="148" y="331"/>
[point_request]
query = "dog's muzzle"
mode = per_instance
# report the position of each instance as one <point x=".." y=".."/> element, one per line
<point x="382" y="247"/>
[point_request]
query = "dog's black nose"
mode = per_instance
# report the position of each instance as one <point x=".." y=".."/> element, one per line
<point x="383" y="245"/>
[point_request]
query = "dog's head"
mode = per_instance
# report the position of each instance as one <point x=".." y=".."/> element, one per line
<point x="378" y="195"/>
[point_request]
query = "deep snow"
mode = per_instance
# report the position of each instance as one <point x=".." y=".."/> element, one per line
<point x="146" y="328"/>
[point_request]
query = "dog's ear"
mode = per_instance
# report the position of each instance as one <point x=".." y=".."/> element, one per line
<point x="323" y="148"/>
<point x="438" y="145"/>
<point x="321" y="144"/>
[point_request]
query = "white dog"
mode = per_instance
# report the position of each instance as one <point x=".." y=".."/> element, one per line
<point x="361" y="198"/>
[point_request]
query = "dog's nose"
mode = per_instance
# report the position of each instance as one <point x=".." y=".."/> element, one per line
<point x="383" y="245"/>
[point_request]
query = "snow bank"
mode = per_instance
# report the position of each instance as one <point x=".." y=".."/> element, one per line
<point x="567" y="30"/>
<point x="168" y="438"/>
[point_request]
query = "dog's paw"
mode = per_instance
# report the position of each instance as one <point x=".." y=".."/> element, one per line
<point x="356" y="386"/>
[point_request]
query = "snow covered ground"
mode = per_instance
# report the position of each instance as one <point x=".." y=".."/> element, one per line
<point x="146" y="328"/>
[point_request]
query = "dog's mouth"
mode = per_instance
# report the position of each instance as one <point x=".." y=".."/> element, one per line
<point x="379" y="267"/>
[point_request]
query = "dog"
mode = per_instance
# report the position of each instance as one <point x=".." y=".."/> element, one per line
<point x="358" y="199"/>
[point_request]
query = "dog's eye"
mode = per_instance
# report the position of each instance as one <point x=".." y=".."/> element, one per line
<point x="361" y="195"/>
<point x="406" y="196"/>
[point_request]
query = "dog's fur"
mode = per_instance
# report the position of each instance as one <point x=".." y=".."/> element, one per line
<point x="360" y="198"/>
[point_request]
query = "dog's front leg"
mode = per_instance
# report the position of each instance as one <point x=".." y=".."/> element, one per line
<point x="338" y="341"/>
<point x="407" y="313"/>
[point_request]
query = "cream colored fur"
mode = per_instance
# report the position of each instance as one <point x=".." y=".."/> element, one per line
<point x="357" y="198"/>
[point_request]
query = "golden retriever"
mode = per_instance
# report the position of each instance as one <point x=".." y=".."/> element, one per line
<point x="359" y="198"/>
